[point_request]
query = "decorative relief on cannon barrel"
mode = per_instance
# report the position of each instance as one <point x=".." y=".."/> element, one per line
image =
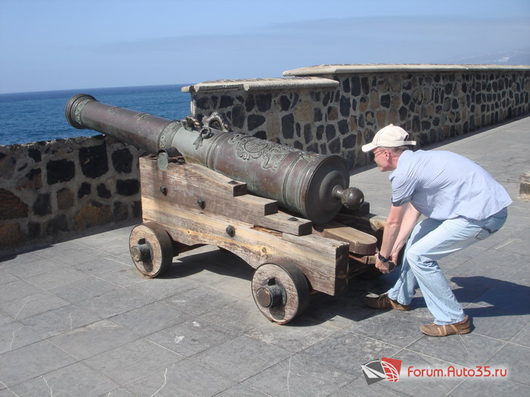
<point x="271" y="154"/>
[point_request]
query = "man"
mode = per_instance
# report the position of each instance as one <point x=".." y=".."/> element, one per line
<point x="462" y="204"/>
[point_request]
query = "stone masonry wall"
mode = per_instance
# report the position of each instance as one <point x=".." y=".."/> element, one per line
<point x="51" y="191"/>
<point x="431" y="103"/>
<point x="56" y="190"/>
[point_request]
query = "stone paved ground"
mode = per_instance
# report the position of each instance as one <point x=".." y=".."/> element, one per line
<point x="76" y="319"/>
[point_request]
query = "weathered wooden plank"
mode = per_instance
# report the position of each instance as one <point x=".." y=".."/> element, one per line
<point x="368" y="222"/>
<point x="360" y="242"/>
<point x="192" y="175"/>
<point x="285" y="223"/>
<point x="323" y="261"/>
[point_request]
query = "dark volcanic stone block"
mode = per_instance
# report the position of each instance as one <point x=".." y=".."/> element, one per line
<point x="355" y="86"/>
<point x="263" y="102"/>
<point x="330" y="132"/>
<point x="308" y="133"/>
<point x="385" y="101"/>
<point x="238" y="116"/>
<point x="202" y="103"/>
<point x="403" y="113"/>
<point x="226" y="101"/>
<point x="60" y="171"/>
<point x="122" y="160"/>
<point x="285" y="103"/>
<point x="127" y="187"/>
<point x="84" y="190"/>
<point x="365" y="84"/>
<point x="93" y="161"/>
<point x="346" y="85"/>
<point x="343" y="127"/>
<point x="42" y="205"/>
<point x="103" y="192"/>
<point x="35" y="155"/>
<point x="349" y="141"/>
<point x="254" y="121"/>
<point x="320" y="132"/>
<point x="260" y="134"/>
<point x="250" y="103"/>
<point x="345" y="106"/>
<point x="288" y="126"/>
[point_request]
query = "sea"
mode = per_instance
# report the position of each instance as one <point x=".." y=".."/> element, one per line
<point x="39" y="116"/>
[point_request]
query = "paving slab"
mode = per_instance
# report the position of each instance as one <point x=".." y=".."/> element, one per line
<point x="132" y="361"/>
<point x="76" y="318"/>
<point x="189" y="378"/>
<point x="242" y="357"/>
<point x="92" y="339"/>
<point x="513" y="358"/>
<point x="32" y="361"/>
<point x="73" y="380"/>
<point x="189" y="338"/>
<point x="299" y="375"/>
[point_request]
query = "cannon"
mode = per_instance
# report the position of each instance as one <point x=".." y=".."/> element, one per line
<point x="312" y="185"/>
<point x="282" y="210"/>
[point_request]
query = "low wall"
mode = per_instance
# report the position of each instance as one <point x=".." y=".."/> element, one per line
<point x="335" y="109"/>
<point x="52" y="191"/>
<point x="56" y="190"/>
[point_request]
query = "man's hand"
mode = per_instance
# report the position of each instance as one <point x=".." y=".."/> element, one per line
<point x="384" y="267"/>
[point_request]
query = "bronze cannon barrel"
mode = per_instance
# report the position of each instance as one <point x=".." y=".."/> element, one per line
<point x="312" y="185"/>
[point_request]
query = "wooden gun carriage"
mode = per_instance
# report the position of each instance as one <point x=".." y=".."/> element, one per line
<point x="189" y="205"/>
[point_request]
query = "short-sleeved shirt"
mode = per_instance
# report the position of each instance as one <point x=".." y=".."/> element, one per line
<point x="444" y="185"/>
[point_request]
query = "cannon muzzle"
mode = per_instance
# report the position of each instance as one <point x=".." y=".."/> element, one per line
<point x="312" y="185"/>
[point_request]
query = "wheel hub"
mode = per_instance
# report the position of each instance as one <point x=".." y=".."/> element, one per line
<point x="141" y="252"/>
<point x="270" y="296"/>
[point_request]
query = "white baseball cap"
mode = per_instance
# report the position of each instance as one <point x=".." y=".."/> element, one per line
<point x="389" y="136"/>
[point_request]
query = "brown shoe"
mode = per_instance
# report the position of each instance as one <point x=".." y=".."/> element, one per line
<point x="384" y="302"/>
<point x="463" y="327"/>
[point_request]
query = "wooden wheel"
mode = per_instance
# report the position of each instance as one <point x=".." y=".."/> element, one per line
<point x="151" y="249"/>
<point x="280" y="291"/>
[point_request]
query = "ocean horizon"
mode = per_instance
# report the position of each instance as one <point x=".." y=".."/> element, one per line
<point x="27" y="117"/>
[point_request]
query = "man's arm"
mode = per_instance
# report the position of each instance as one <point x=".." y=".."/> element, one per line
<point x="407" y="224"/>
<point x="390" y="234"/>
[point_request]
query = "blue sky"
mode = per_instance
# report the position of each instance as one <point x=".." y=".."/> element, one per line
<point x="69" y="44"/>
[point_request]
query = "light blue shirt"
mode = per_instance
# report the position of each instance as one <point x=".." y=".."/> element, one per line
<point x="444" y="185"/>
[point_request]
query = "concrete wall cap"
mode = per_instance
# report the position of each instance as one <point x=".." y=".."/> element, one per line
<point x="386" y="68"/>
<point x="264" y="84"/>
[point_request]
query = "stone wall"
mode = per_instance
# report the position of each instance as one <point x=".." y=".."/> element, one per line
<point x="56" y="190"/>
<point x="52" y="191"/>
<point x="334" y="109"/>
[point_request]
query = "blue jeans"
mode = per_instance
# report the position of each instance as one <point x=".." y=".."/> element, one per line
<point x="429" y="241"/>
